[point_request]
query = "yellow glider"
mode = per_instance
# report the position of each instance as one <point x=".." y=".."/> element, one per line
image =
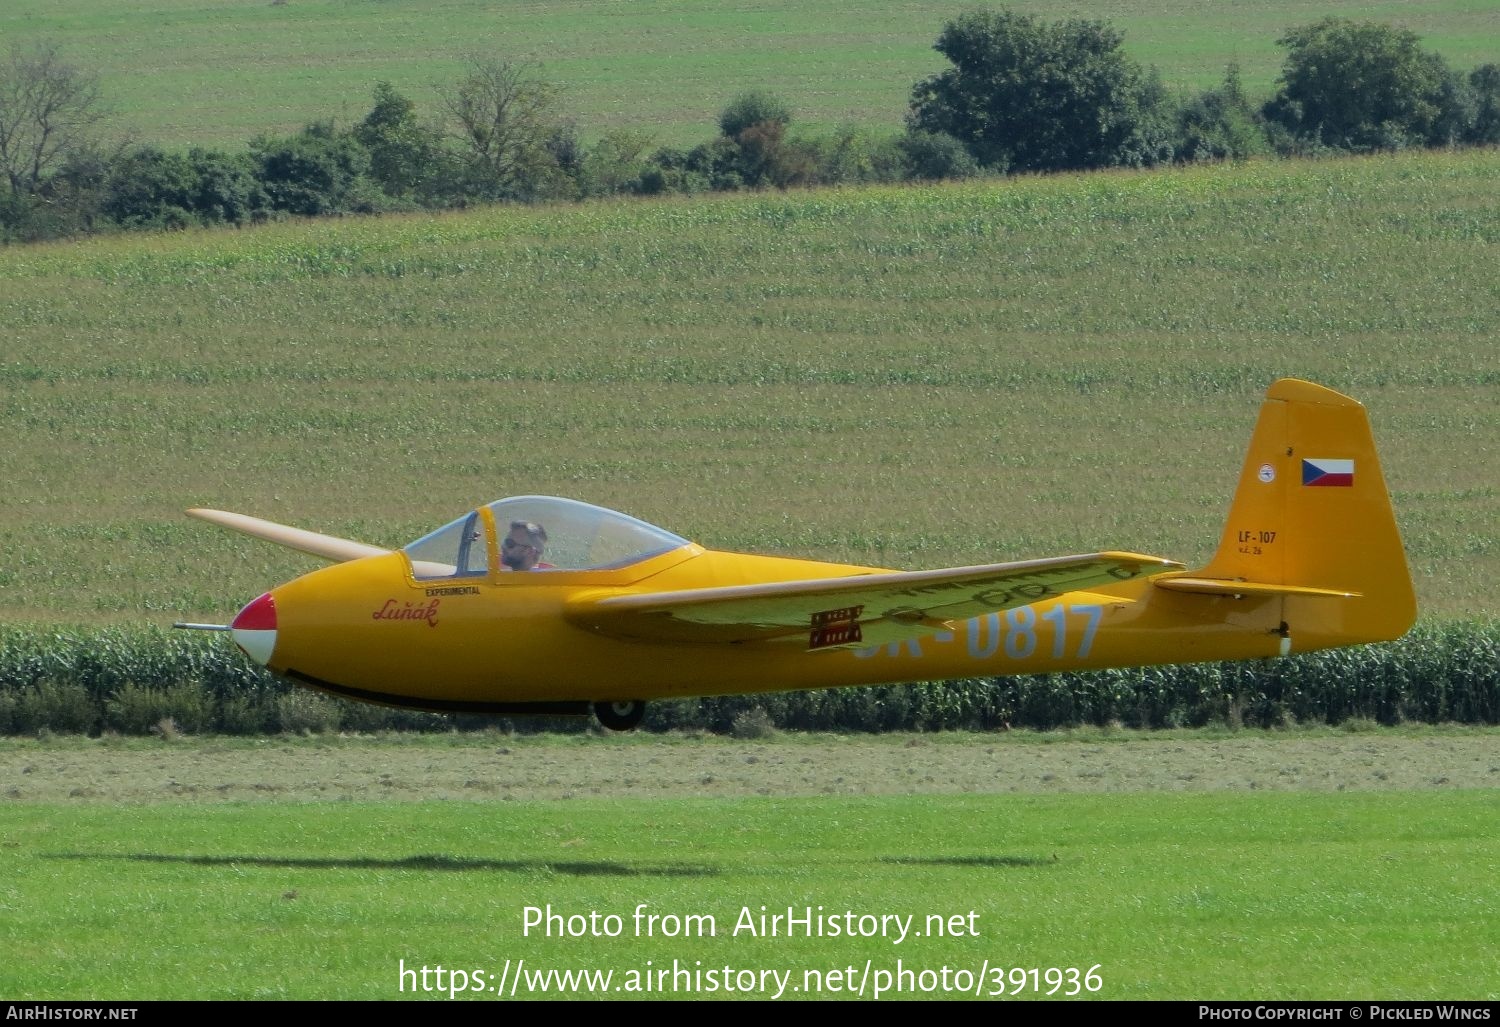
<point x="544" y="605"/>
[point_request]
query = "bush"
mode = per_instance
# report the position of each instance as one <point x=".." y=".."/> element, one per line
<point x="754" y="723"/>
<point x="317" y="172"/>
<point x="1220" y="124"/>
<point x="751" y="109"/>
<point x="248" y="715"/>
<point x="365" y="718"/>
<point x="137" y="710"/>
<point x="767" y="157"/>
<point x="303" y="712"/>
<point x="854" y="157"/>
<point x="65" y="204"/>
<point x="225" y="190"/>
<point x="151" y="188"/>
<point x="61" y="706"/>
<point x="932" y="156"/>
<point x="716" y="164"/>
<point x="154" y="189"/>
<point x="671" y="170"/>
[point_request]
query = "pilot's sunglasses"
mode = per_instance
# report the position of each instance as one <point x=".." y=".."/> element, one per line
<point x="511" y="543"/>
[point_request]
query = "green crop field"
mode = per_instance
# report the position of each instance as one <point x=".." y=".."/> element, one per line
<point x="902" y="377"/>
<point x="196" y="71"/>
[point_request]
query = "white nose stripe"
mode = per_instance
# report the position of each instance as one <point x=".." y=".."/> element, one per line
<point x="257" y="643"/>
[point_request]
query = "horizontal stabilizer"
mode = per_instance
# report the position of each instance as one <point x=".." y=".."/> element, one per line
<point x="339" y="550"/>
<point x="1246" y="589"/>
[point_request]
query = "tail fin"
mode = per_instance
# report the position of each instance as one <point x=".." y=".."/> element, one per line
<point x="1312" y="523"/>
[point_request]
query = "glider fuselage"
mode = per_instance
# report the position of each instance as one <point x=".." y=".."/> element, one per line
<point x="367" y="627"/>
<point x="540" y="600"/>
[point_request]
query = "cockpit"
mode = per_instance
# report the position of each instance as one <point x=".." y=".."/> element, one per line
<point x="540" y="533"/>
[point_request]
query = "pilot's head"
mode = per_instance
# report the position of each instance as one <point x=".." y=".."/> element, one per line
<point x="522" y="546"/>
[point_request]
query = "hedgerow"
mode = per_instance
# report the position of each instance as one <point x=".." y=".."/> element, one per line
<point x="1024" y="95"/>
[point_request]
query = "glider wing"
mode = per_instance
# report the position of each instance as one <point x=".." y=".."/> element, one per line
<point x="328" y="547"/>
<point x="854" y="611"/>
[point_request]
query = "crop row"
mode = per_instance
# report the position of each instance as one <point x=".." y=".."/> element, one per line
<point x="144" y="680"/>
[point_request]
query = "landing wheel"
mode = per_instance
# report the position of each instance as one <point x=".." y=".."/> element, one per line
<point x="620" y="716"/>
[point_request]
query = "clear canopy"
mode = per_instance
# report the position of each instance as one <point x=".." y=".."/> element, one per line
<point x="565" y="534"/>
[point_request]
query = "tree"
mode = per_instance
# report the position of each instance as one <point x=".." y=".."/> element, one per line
<point x="49" y="110"/>
<point x="406" y="159"/>
<point x="1360" y="86"/>
<point x="507" y="121"/>
<point x="1037" y="96"/>
<point x="614" y="164"/>
<point x="1484" y="82"/>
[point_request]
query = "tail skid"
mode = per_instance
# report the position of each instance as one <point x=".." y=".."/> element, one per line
<point x="1312" y="526"/>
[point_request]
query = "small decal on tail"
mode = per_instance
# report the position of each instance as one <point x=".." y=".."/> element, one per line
<point x="1328" y="473"/>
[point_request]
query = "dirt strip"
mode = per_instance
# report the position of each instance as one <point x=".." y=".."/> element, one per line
<point x="493" y="766"/>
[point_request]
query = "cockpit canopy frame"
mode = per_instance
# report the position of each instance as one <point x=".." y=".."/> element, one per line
<point x="579" y="537"/>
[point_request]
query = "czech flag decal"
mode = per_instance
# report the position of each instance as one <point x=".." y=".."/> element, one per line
<point x="1332" y="473"/>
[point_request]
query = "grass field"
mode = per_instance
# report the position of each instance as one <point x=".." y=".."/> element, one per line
<point x="211" y="72"/>
<point x="901" y="377"/>
<point x="1259" y="876"/>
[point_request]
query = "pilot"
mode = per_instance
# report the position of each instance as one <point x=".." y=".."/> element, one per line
<point x="521" y="549"/>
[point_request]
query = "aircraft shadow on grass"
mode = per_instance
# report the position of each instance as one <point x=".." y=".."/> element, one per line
<point x="582" y="868"/>
<point x="970" y="861"/>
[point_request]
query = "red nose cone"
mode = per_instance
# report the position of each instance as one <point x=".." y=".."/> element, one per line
<point x="258" y="616"/>
<point x="254" y="629"/>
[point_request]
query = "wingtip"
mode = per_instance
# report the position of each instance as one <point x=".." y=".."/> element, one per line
<point x="1158" y="563"/>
